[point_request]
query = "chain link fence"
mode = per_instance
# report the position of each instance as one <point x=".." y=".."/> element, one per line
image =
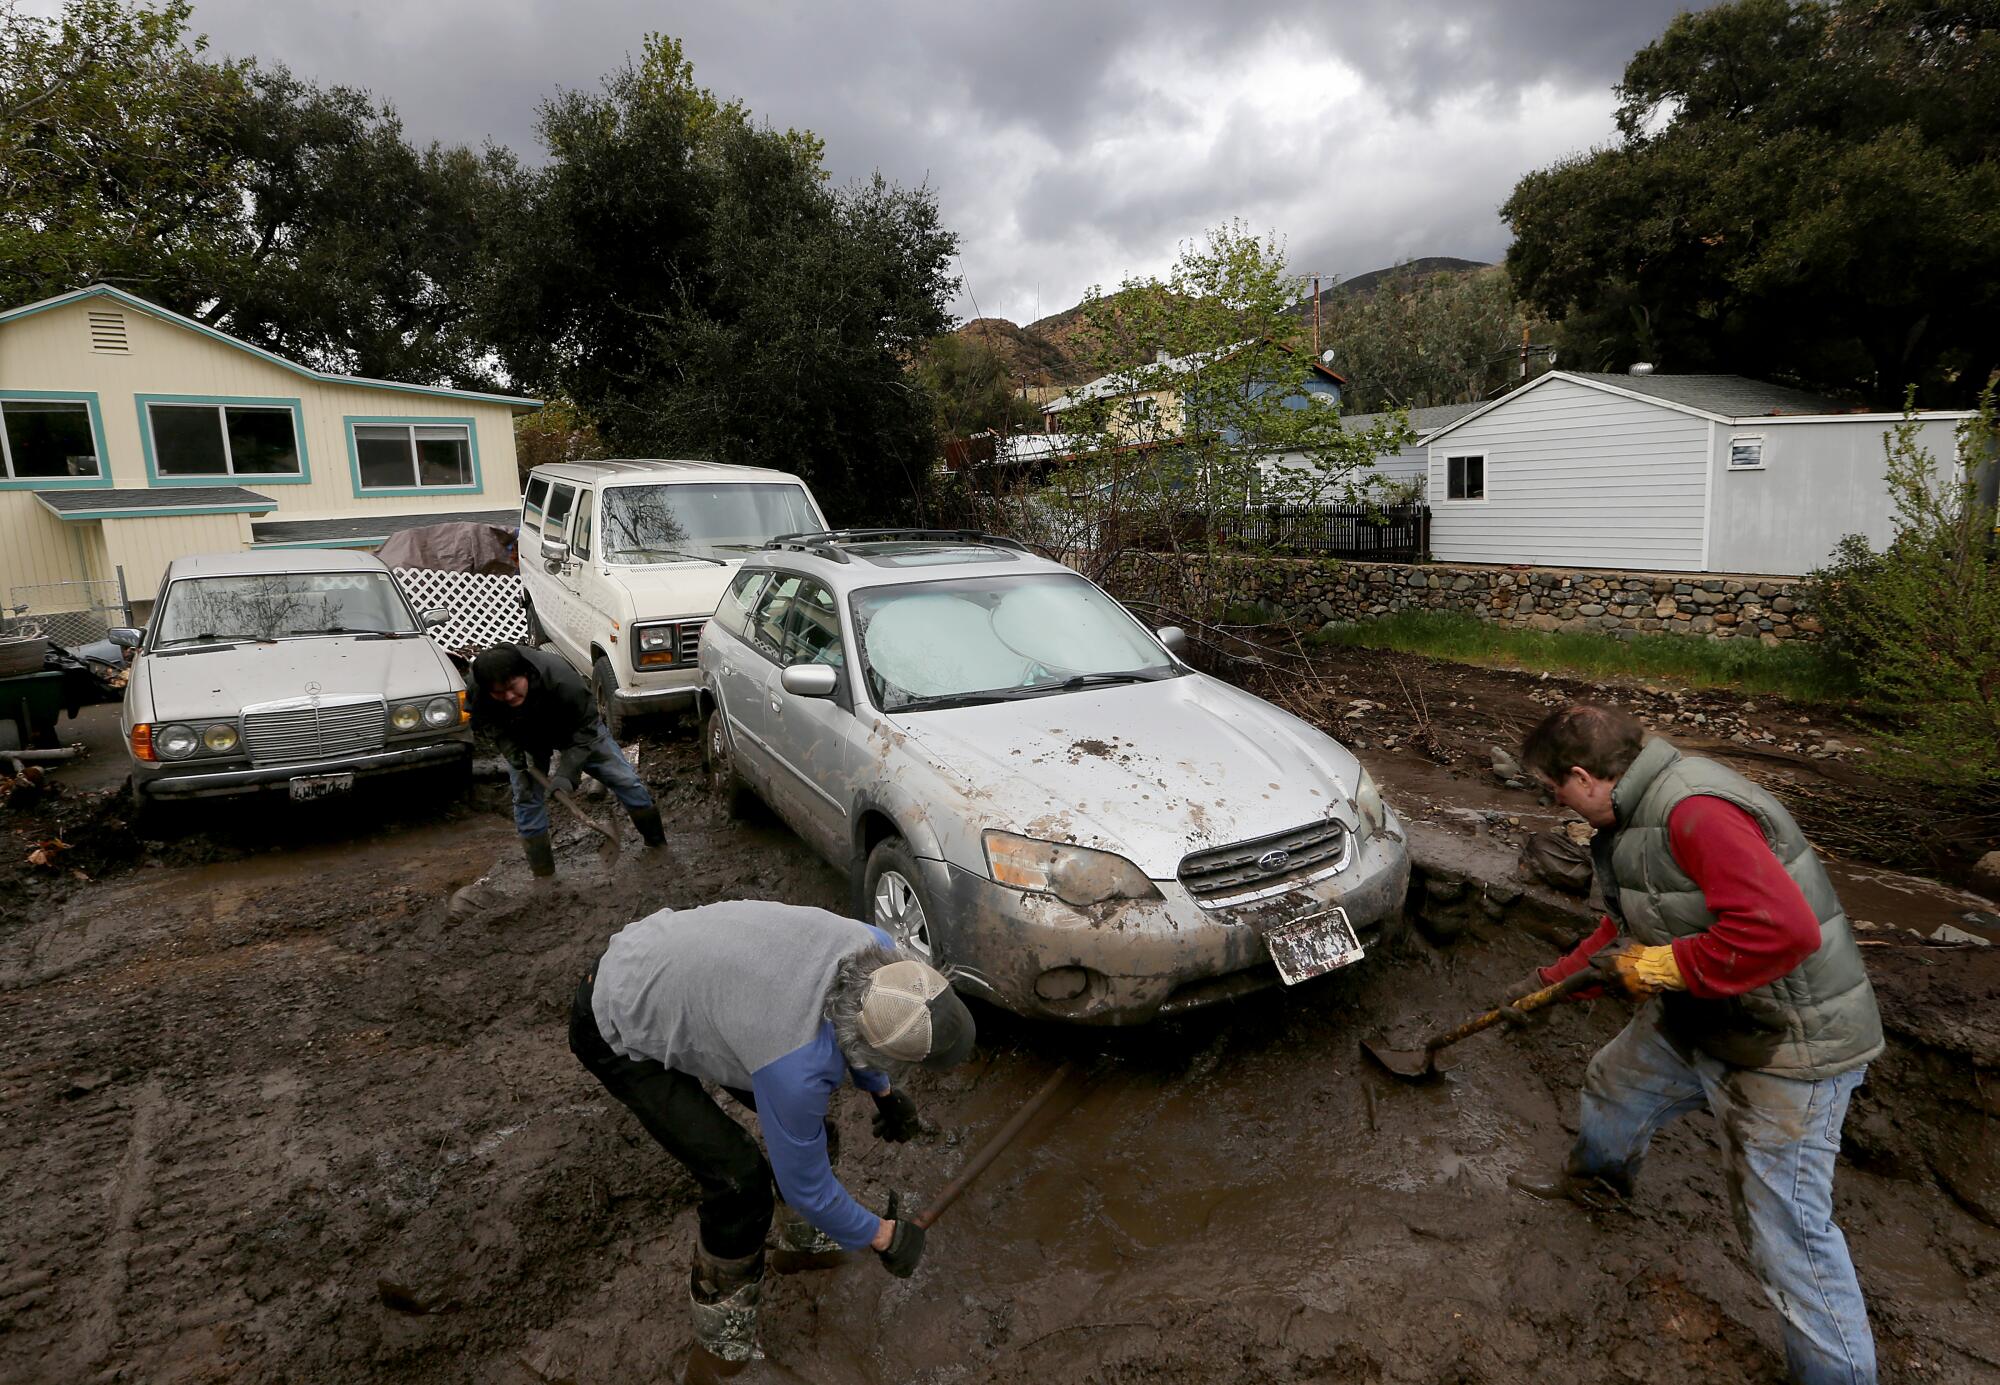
<point x="67" y="613"/>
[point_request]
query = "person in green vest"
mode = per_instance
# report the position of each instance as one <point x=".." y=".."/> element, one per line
<point x="1753" y="1001"/>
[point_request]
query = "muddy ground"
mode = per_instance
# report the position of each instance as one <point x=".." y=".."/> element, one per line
<point x="262" y="1099"/>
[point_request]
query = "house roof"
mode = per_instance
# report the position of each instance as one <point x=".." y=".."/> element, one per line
<point x="1425" y="421"/>
<point x="153" y="504"/>
<point x="1732" y="399"/>
<point x="366" y="529"/>
<point x="518" y="403"/>
<point x="1128" y="381"/>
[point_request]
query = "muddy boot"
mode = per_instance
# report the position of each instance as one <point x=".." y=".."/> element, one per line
<point x="801" y="1246"/>
<point x="1586" y="1190"/>
<point x="723" y="1296"/>
<point x="541" y="855"/>
<point x="647" y="820"/>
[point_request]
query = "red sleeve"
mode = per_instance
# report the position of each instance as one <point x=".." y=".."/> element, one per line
<point x="1763" y="926"/>
<point x="1580" y="955"/>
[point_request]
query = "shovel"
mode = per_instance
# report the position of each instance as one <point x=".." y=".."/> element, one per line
<point x="1421" y="1064"/>
<point x="608" y="849"/>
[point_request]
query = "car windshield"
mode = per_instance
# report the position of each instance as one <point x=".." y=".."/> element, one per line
<point x="699" y="519"/>
<point x="277" y="605"/>
<point x="991" y="639"/>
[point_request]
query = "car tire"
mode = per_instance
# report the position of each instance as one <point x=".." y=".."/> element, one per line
<point x="536" y="636"/>
<point x="605" y="683"/>
<point x="718" y="757"/>
<point x="892" y="891"/>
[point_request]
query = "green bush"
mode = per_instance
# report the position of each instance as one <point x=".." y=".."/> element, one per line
<point x="1918" y="623"/>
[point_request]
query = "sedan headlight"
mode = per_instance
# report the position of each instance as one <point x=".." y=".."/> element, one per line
<point x="175" y="742"/>
<point x="1074" y="874"/>
<point x="405" y="716"/>
<point x="1368" y="802"/>
<point x="440" y="711"/>
<point x="220" y="739"/>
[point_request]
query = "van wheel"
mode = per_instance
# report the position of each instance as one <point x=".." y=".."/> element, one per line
<point x="605" y="682"/>
<point x="536" y="637"/>
<point x="719" y="759"/>
<point x="897" y="901"/>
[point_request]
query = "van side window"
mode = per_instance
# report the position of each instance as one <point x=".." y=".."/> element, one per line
<point x="580" y="545"/>
<point x="556" y="520"/>
<point x="732" y="613"/>
<point x="532" y="501"/>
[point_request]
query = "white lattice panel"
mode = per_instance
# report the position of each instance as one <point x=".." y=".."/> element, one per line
<point x="485" y="606"/>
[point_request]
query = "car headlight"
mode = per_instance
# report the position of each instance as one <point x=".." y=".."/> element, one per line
<point x="1368" y="802"/>
<point x="441" y="711"/>
<point x="220" y="739"/>
<point x="1074" y="874"/>
<point x="655" y="645"/>
<point x="404" y="716"/>
<point x="175" y="742"/>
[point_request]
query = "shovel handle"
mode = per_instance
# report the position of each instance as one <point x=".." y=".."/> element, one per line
<point x="1535" y="1000"/>
<point x="563" y="798"/>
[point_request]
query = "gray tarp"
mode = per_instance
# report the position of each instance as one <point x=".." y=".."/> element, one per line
<point x="454" y="547"/>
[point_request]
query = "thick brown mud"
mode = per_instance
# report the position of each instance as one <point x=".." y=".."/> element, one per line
<point x="276" y="1117"/>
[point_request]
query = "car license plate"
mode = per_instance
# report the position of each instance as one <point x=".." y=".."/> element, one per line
<point x="309" y="786"/>
<point x="1313" y="945"/>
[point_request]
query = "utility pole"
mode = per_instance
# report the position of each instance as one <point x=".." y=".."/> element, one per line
<point x="1524" y="352"/>
<point x="1315" y="317"/>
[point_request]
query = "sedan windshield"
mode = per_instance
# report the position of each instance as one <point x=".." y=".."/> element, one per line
<point x="992" y="639"/>
<point x="694" y="519"/>
<point x="275" y="605"/>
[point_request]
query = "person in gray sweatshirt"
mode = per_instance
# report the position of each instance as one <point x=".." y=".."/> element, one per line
<point x="780" y="1005"/>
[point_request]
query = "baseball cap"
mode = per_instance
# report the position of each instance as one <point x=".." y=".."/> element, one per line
<point x="910" y="1014"/>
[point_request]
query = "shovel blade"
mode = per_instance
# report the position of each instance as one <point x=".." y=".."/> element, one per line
<point x="1410" y="1064"/>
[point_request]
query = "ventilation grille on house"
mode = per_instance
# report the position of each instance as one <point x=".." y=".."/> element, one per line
<point x="107" y="333"/>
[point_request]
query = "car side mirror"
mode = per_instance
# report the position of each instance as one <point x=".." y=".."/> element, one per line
<point x="1173" y="637"/>
<point x="125" y="636"/>
<point x="555" y="551"/>
<point x="435" y="616"/>
<point x="810" y="680"/>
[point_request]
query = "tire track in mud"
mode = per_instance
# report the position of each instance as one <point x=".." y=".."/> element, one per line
<point x="128" y="1191"/>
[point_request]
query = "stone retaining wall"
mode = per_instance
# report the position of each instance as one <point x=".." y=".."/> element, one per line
<point x="1316" y="590"/>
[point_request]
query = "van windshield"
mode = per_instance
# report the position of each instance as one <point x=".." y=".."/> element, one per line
<point x="699" y="519"/>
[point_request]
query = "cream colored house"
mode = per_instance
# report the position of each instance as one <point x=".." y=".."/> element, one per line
<point x="130" y="436"/>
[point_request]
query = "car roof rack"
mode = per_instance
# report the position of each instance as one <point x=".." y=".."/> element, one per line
<point x="826" y="543"/>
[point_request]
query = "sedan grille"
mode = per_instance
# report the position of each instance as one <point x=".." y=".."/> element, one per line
<point x="1253" y="870"/>
<point x="689" y="639"/>
<point x="279" y="733"/>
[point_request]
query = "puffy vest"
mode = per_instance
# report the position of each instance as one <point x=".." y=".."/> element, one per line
<point x="1820" y="1018"/>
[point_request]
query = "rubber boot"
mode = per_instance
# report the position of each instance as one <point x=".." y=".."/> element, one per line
<point x="1561" y="1185"/>
<point x="541" y="855"/>
<point x="723" y="1298"/>
<point x="647" y="820"/>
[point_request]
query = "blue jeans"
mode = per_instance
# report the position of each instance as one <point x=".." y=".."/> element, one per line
<point x="605" y="763"/>
<point x="1780" y="1136"/>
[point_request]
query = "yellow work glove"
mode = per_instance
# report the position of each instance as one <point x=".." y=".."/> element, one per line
<point x="1638" y="970"/>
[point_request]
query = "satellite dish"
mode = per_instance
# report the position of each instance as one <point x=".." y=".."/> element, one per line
<point x="1326" y="356"/>
<point x="1552" y="360"/>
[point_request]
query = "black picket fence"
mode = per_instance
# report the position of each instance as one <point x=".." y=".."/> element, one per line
<point x="1389" y="533"/>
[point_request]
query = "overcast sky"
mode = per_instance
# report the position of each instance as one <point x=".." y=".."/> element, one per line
<point x="1070" y="142"/>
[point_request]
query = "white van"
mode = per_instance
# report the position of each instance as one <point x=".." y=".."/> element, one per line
<point x="622" y="563"/>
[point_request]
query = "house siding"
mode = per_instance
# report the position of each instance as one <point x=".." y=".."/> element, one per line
<point x="1576" y="477"/>
<point x="51" y="350"/>
<point x="1820" y="482"/>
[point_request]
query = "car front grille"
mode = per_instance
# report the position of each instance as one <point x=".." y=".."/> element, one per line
<point x="1248" y="871"/>
<point x="279" y="733"/>
<point x="688" y="638"/>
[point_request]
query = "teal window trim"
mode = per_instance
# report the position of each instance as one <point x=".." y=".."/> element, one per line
<point x="471" y="427"/>
<point x="165" y="511"/>
<point x="153" y="477"/>
<point x="99" y="482"/>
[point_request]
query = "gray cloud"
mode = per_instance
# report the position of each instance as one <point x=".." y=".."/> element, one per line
<point x="1070" y="141"/>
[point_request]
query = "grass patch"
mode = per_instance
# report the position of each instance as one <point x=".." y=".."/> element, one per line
<point x="1797" y="672"/>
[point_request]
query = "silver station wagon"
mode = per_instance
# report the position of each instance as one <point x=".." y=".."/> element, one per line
<point x="296" y="670"/>
<point x="1030" y="788"/>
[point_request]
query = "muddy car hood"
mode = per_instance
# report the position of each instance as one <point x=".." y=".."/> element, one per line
<point x="1152" y="771"/>
<point x="218" y="682"/>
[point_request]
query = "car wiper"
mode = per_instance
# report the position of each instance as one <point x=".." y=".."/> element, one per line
<point x="210" y="637"/>
<point x="676" y="553"/>
<point x="934" y="701"/>
<point x="346" y="630"/>
<point x="1089" y="680"/>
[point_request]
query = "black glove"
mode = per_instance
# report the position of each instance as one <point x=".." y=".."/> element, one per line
<point x="1526" y="986"/>
<point x="895" y="1117"/>
<point x="906" y="1243"/>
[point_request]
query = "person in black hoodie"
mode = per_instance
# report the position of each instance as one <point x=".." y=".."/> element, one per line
<point x="536" y="707"/>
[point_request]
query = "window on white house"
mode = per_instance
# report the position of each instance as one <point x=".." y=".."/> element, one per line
<point x="223" y="440"/>
<point x="1465" y="478"/>
<point x="412" y="456"/>
<point x="1746" y="454"/>
<point x="42" y="439"/>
